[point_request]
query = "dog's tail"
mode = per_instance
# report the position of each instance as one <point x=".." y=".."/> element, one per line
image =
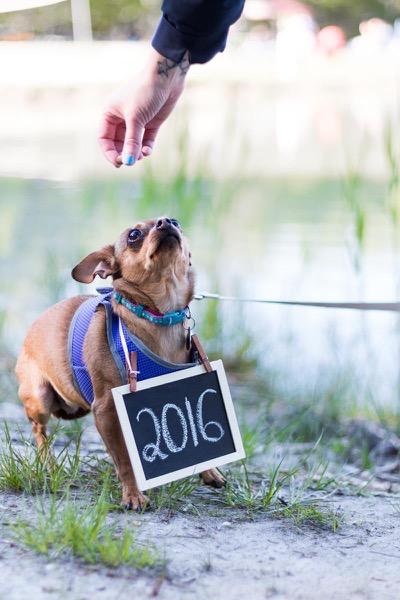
<point x="60" y="413"/>
<point x="62" y="410"/>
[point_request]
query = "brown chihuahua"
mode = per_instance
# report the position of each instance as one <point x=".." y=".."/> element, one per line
<point x="150" y="265"/>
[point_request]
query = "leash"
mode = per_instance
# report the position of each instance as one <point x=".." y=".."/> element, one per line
<point x="379" y="306"/>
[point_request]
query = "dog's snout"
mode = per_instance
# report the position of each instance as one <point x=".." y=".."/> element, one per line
<point x="164" y="223"/>
<point x="167" y="229"/>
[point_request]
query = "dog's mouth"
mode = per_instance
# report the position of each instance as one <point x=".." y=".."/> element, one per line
<point x="168" y="239"/>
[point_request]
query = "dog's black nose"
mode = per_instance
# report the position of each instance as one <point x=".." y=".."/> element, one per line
<point x="164" y="223"/>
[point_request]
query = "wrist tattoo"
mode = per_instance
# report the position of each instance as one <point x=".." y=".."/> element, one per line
<point x="165" y="66"/>
<point x="184" y="64"/>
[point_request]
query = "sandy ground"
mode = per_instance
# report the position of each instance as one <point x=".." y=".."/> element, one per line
<point x="216" y="558"/>
<point x="220" y="553"/>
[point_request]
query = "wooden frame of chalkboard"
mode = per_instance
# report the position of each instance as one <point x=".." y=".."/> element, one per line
<point x="122" y="395"/>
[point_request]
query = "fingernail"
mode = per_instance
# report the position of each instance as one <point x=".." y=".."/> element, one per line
<point x="129" y="160"/>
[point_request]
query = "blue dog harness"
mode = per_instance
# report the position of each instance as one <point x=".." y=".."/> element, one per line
<point x="148" y="364"/>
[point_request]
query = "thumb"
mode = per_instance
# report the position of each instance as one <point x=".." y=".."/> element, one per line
<point x="133" y="142"/>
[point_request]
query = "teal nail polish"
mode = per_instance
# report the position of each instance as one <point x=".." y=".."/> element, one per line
<point x="129" y="160"/>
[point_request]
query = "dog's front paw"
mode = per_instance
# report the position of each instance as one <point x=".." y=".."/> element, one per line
<point x="213" y="477"/>
<point x="135" y="501"/>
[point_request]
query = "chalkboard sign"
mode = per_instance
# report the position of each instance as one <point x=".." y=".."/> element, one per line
<point x="179" y="424"/>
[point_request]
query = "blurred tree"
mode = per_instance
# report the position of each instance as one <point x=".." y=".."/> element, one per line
<point x="116" y="19"/>
<point x="349" y="14"/>
<point x="124" y="18"/>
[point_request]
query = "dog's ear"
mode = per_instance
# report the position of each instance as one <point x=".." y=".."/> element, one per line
<point x="102" y="263"/>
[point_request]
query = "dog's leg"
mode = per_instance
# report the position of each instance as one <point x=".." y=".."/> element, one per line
<point x="212" y="477"/>
<point x="37" y="396"/>
<point x="107" y="423"/>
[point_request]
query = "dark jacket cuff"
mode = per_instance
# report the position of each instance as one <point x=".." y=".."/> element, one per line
<point x="173" y="44"/>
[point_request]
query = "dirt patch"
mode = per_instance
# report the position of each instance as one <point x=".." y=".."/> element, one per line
<point x="207" y="549"/>
<point x="224" y="557"/>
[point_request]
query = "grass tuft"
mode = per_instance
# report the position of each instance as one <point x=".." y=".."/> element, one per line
<point x="312" y="515"/>
<point x="65" y="528"/>
<point x="99" y="477"/>
<point x="265" y="497"/>
<point x="36" y="471"/>
<point x="174" y="494"/>
<point x="250" y="438"/>
<point x="240" y="492"/>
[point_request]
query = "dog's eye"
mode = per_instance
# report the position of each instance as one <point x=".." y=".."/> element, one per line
<point x="175" y="223"/>
<point x="134" y="235"/>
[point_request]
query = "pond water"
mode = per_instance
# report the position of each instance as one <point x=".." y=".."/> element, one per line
<point x="277" y="239"/>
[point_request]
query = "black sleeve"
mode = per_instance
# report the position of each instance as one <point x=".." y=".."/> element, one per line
<point x="197" y="26"/>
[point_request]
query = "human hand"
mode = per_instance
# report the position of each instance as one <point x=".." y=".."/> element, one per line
<point x="136" y="111"/>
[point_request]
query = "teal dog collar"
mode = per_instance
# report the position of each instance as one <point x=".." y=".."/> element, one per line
<point x="165" y="319"/>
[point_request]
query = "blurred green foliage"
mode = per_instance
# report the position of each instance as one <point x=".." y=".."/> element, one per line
<point x="349" y="14"/>
<point x="126" y="18"/>
<point x="119" y="19"/>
